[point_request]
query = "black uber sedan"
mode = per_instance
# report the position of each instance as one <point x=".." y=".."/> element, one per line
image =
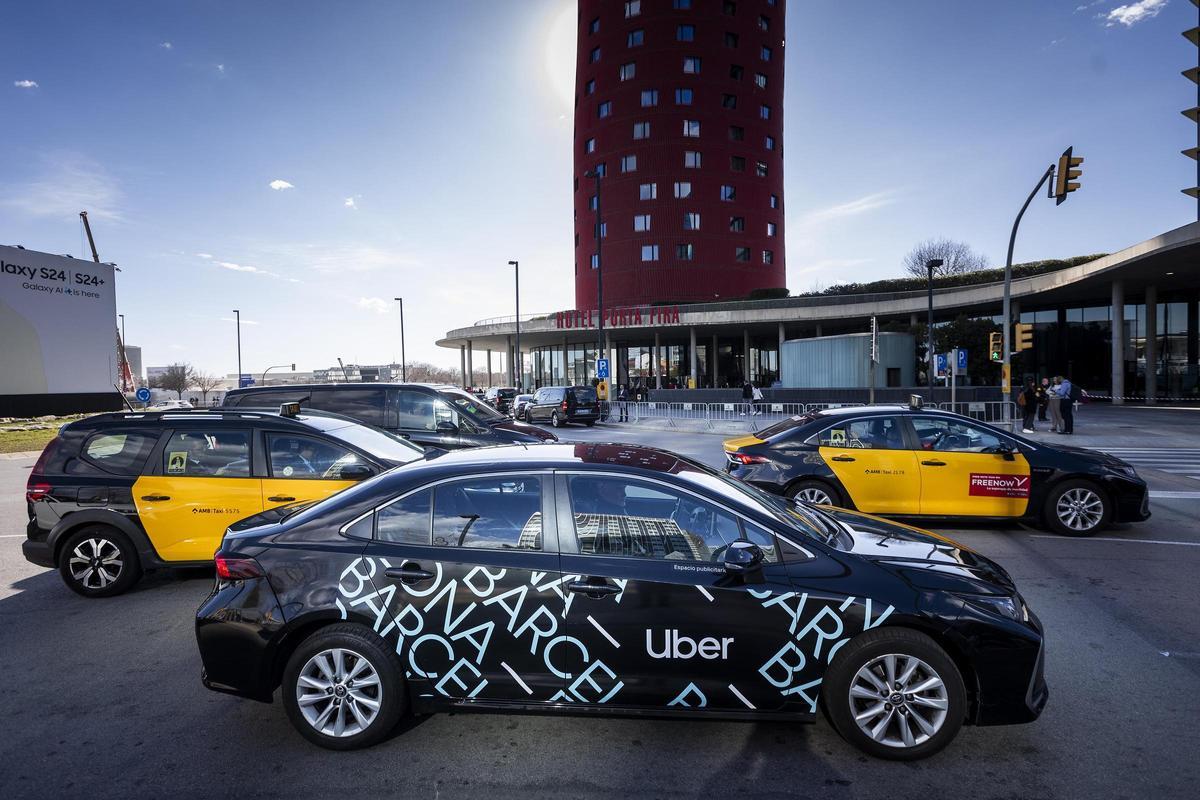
<point x="616" y="579"/>
<point x="903" y="461"/>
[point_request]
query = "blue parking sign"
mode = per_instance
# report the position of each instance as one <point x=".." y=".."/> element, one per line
<point x="940" y="363"/>
<point x="602" y="368"/>
<point x="962" y="360"/>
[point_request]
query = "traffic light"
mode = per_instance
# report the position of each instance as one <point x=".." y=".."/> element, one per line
<point x="1065" y="180"/>
<point x="1024" y="336"/>
<point x="996" y="346"/>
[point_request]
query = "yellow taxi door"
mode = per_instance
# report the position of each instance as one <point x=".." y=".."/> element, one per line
<point x="965" y="471"/>
<point x="869" y="458"/>
<point x="302" y="468"/>
<point x="202" y="486"/>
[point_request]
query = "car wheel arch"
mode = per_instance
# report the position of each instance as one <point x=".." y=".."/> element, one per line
<point x="67" y="526"/>
<point x="300" y="630"/>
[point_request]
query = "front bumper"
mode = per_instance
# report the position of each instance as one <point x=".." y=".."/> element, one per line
<point x="1132" y="501"/>
<point x="1010" y="671"/>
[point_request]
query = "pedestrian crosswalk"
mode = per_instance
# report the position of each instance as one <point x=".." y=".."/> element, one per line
<point x="1176" y="460"/>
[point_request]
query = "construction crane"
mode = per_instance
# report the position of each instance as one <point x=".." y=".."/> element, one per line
<point x="126" y="373"/>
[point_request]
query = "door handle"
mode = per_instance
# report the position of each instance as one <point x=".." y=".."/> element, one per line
<point x="934" y="463"/>
<point x="596" y="590"/>
<point x="842" y="458"/>
<point x="155" y="498"/>
<point x="409" y="574"/>
<point x="279" y="498"/>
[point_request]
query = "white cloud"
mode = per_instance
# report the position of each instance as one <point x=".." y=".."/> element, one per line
<point x="233" y="266"/>
<point x="376" y="304"/>
<point x="862" y="205"/>
<point x="238" y="267"/>
<point x="209" y="256"/>
<point x="1132" y="14"/>
<point x="25" y="84"/>
<point x="351" y="204"/>
<point x="169" y="46"/>
<point x="221" y="68"/>
<point x="66" y="184"/>
<point x="279" y="185"/>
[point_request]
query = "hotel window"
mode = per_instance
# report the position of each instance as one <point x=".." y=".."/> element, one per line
<point x="628" y="70"/>
<point x="764" y="111"/>
<point x="735" y="72"/>
<point x="691" y="159"/>
<point x="681" y="5"/>
<point x="633" y="8"/>
<point x="592" y="202"/>
<point x="774" y="201"/>
<point x="741" y="253"/>
<point x="683" y="97"/>
<point x="594" y="56"/>
<point x="648" y="191"/>
<point x="649" y="252"/>
<point x="594" y="25"/>
<point x="589" y="146"/>
<point x="770" y="229"/>
<point x="691" y="221"/>
<point x="736" y="133"/>
<point x="768" y="257"/>
<point x="728" y="193"/>
<point x="764" y="22"/>
<point x="635" y="38"/>
<point x="769" y="142"/>
<point x="602" y="169"/>
<point x="729" y="101"/>
<point x="737" y="163"/>
<point x="683" y="189"/>
<point x="685" y="33"/>
<point x="691" y="128"/>
<point x="595" y="261"/>
<point x="731" y="39"/>
<point x="737" y="224"/>
<point x="691" y="65"/>
<point x="729" y="7"/>
<point x="649" y="97"/>
<point x="760" y="80"/>
<point x="604" y="109"/>
<point x="760" y="169"/>
<point x="590" y="87"/>
<point x="684" y="252"/>
<point x="600" y="231"/>
<point x="765" y="54"/>
<point x="641" y="130"/>
<point x="641" y="223"/>
<point x="628" y="163"/>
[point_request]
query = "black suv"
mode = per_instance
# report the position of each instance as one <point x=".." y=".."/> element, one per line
<point x="559" y="405"/>
<point x="428" y="414"/>
<point x="115" y="494"/>
<point x="602" y="577"/>
<point x="501" y="398"/>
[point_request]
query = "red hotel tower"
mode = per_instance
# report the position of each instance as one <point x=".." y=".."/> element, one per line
<point x="679" y="105"/>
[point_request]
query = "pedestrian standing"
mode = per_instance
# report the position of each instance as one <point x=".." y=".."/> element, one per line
<point x="1054" y="404"/>
<point x="623" y="402"/>
<point x="1068" y="394"/>
<point x="747" y="395"/>
<point x="1043" y="398"/>
<point x="1027" y="400"/>
<point x="756" y="397"/>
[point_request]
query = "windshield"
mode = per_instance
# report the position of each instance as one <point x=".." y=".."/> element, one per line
<point x="470" y="405"/>
<point x="378" y="443"/>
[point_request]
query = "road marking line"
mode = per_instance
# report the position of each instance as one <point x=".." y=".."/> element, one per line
<point x="1111" y="539"/>
<point x="1177" y="654"/>
<point x="741" y="697"/>
<point x="1165" y="495"/>
<point x="12" y="536"/>
<point x="603" y="632"/>
<point x="516" y="678"/>
<point x="704" y="592"/>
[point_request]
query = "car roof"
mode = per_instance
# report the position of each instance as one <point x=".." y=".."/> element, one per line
<point x="348" y="386"/>
<point x="549" y="455"/>
<point x="312" y="420"/>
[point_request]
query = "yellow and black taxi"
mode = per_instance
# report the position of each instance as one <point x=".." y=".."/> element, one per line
<point x="909" y="461"/>
<point x="116" y="494"/>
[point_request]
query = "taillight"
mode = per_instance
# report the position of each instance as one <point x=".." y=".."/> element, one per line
<point x="747" y="458"/>
<point x="36" y="488"/>
<point x="37" y="491"/>
<point x="564" y="405"/>
<point x="236" y="568"/>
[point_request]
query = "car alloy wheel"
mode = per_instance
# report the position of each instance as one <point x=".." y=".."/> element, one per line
<point x="815" y="496"/>
<point x="898" y="700"/>
<point x="1080" y="509"/>
<point x="554" y="421"/>
<point x="96" y="563"/>
<point x="339" y="692"/>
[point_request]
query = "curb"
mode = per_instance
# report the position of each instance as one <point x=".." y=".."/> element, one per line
<point x="19" y="456"/>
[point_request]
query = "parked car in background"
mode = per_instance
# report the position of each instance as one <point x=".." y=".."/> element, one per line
<point x="559" y="405"/>
<point x="170" y="405"/>
<point x="500" y="398"/>
<point x="518" y="405"/>
<point x="615" y="579"/>
<point x="430" y="415"/>
<point x="117" y="494"/>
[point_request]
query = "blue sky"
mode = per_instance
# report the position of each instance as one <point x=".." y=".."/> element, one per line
<point x="425" y="144"/>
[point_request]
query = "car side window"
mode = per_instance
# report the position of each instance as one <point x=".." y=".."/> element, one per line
<point x="422" y="411"/>
<point x="118" y="453"/>
<point x="622" y="517"/>
<point x="872" y="433"/>
<point x="953" y="436"/>
<point x="365" y="405"/>
<point x="763" y="538"/>
<point x="303" y="457"/>
<point x="208" y="453"/>
<point x="406" y="521"/>
<point x="502" y="513"/>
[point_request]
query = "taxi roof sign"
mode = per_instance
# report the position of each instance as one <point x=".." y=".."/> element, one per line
<point x="289" y="409"/>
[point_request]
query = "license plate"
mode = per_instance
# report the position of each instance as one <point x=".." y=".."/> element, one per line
<point x="584" y="413"/>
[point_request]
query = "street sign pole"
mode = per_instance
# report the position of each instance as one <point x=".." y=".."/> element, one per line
<point x="953" y="377"/>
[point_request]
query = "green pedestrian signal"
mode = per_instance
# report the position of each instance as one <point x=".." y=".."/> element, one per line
<point x="996" y="346"/>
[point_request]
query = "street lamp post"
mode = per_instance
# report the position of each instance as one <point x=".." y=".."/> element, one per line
<point x="517" y="375"/>
<point x="930" y="265"/>
<point x="403" y="362"/>
<point x="599" y="236"/>
<point x="238" y="320"/>
<point x="273" y="366"/>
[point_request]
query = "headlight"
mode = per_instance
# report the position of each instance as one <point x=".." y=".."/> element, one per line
<point x="1011" y="607"/>
<point x="1123" y="469"/>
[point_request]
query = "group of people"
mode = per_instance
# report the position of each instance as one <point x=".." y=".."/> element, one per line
<point x="1056" y="398"/>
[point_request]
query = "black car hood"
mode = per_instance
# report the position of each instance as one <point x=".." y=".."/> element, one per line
<point x="1086" y="454"/>
<point x="523" y="427"/>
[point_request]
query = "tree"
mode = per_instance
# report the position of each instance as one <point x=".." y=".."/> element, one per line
<point x="205" y="382"/>
<point x="958" y="258"/>
<point x="178" y="378"/>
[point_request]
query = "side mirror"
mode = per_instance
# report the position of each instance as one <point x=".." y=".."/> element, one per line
<point x="742" y="557"/>
<point x="356" y="472"/>
<point x="446" y="426"/>
<point x="1007" y="451"/>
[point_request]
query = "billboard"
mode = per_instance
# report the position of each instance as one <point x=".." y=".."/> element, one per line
<point x="57" y="332"/>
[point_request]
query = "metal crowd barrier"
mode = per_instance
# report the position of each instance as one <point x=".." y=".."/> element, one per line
<point x="990" y="411"/>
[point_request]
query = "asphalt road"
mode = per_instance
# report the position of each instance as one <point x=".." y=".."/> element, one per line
<point x="103" y="698"/>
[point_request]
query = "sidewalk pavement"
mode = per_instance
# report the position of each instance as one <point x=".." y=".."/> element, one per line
<point x="1100" y="425"/>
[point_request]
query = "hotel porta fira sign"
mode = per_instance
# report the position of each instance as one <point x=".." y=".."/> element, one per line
<point x="621" y="317"/>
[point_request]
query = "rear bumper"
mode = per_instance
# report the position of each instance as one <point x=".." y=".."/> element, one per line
<point x="236" y="629"/>
<point x="39" y="553"/>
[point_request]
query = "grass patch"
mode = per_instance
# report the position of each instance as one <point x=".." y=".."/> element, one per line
<point x="21" y="441"/>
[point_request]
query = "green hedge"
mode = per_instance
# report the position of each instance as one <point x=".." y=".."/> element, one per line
<point x="966" y="279"/>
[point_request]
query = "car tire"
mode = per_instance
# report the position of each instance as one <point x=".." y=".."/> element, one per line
<point x="922" y="722"/>
<point x="529" y="416"/>
<point x="339" y="650"/>
<point x="555" y="422"/>
<point x="1077" y="508"/>
<point x="590" y="422"/>
<point x="816" y="492"/>
<point x="99" y="561"/>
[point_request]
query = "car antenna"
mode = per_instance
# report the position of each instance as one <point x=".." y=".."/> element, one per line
<point x="124" y="399"/>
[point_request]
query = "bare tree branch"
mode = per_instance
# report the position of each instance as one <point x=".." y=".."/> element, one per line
<point x="958" y="258"/>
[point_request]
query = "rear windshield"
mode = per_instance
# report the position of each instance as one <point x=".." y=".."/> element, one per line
<point x="507" y="394"/>
<point x="784" y="426"/>
<point x="584" y="394"/>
